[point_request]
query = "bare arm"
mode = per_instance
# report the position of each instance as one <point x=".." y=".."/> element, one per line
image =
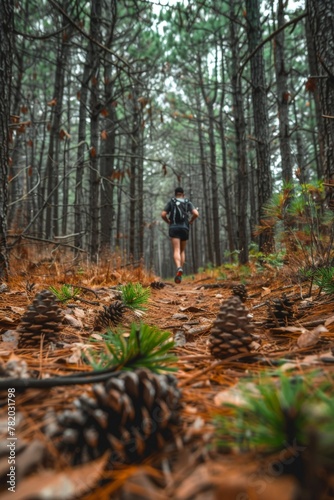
<point x="194" y="215"/>
<point x="164" y="216"/>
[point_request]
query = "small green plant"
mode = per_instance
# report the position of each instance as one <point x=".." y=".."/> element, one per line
<point x="274" y="415"/>
<point x="145" y="347"/>
<point x="301" y="221"/>
<point x="135" y="296"/>
<point x="323" y="277"/>
<point x="274" y="259"/>
<point x="65" y="293"/>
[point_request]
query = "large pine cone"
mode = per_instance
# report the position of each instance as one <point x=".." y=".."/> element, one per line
<point x="280" y="312"/>
<point x="110" y="316"/>
<point x="231" y="332"/>
<point x="42" y="317"/>
<point x="132" y="415"/>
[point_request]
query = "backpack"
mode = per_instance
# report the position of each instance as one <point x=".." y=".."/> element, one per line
<point x="179" y="212"/>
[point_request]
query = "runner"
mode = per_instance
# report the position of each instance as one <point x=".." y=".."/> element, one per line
<point x="179" y="213"/>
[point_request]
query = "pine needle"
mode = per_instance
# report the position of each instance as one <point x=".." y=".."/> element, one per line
<point x="135" y="296"/>
<point x="145" y="347"/>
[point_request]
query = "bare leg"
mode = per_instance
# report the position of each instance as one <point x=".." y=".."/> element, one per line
<point x="177" y="245"/>
<point x="183" y="245"/>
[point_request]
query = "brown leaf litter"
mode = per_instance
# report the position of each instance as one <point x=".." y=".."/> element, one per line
<point x="194" y="469"/>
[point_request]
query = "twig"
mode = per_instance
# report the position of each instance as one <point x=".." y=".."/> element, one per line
<point x="81" y="378"/>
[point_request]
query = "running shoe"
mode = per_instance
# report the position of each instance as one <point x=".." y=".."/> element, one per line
<point x="178" y="277"/>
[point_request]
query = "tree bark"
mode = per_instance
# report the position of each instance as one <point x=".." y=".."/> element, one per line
<point x="6" y="55"/>
<point x="260" y="118"/>
<point x="208" y="249"/>
<point x="209" y="102"/>
<point x="321" y="19"/>
<point x="53" y="155"/>
<point x="241" y="155"/>
<point x="94" y="175"/>
<point x="283" y="97"/>
<point x="228" y="204"/>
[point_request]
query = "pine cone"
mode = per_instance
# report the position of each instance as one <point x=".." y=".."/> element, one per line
<point x="240" y="291"/>
<point x="157" y="285"/>
<point x="231" y="332"/>
<point x="132" y="415"/>
<point x="280" y="312"/>
<point x="42" y="317"/>
<point x="111" y="316"/>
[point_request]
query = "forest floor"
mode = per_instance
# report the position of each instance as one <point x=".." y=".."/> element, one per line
<point x="193" y="466"/>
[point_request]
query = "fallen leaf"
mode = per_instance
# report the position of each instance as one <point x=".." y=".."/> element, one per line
<point x="199" y="329"/>
<point x="266" y="291"/>
<point x="180" y="338"/>
<point x="329" y="321"/>
<point x="235" y="395"/>
<point x="179" y="316"/>
<point x="76" y="323"/>
<point x="309" y="338"/>
<point x="59" y="486"/>
<point x="78" y="313"/>
<point x="78" y="349"/>
<point x="6" y="320"/>
<point x="294" y="329"/>
<point x="18" y="310"/>
<point x="191" y="309"/>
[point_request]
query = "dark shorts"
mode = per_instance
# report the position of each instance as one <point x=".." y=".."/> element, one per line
<point x="180" y="232"/>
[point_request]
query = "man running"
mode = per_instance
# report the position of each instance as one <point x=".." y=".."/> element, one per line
<point x="179" y="213"/>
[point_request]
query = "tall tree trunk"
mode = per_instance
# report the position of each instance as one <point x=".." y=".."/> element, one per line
<point x="260" y="120"/>
<point x="107" y="167"/>
<point x="214" y="184"/>
<point x="134" y="175"/>
<point x="321" y="15"/>
<point x="283" y="97"/>
<point x="6" y="55"/>
<point x="241" y="156"/>
<point x="109" y="144"/>
<point x="314" y="90"/>
<point x="226" y="187"/>
<point x="80" y="216"/>
<point x="15" y="188"/>
<point x="140" y="199"/>
<point x="53" y="156"/>
<point x="208" y="252"/>
<point x="94" y="176"/>
<point x="209" y="102"/>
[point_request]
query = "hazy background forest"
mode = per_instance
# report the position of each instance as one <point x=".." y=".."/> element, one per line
<point x="114" y="103"/>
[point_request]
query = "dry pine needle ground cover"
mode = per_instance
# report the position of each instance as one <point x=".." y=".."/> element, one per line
<point x="190" y="465"/>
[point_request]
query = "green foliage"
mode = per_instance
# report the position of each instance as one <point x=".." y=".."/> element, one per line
<point x="65" y="293"/>
<point x="273" y="414"/>
<point x="145" y="347"/>
<point x="274" y="259"/>
<point x="323" y="277"/>
<point x="135" y="296"/>
<point x="300" y="217"/>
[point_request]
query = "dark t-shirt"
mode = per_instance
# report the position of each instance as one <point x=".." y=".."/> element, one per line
<point x="190" y="208"/>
